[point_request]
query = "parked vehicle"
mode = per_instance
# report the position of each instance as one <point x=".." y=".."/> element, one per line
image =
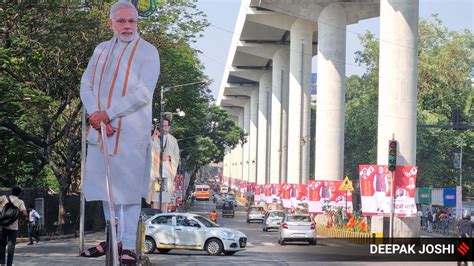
<point x="255" y="213"/>
<point x="273" y="220"/>
<point x="297" y="227"/>
<point x="228" y="209"/>
<point x="189" y="231"/>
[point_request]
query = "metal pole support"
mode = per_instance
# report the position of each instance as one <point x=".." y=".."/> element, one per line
<point x="108" y="253"/>
<point x="141" y="258"/>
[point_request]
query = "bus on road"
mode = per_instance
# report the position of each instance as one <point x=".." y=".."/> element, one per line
<point x="202" y="192"/>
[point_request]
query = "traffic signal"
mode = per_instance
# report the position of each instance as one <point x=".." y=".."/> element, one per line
<point x="392" y="155"/>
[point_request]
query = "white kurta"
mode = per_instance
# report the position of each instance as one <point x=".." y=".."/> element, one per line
<point x="120" y="79"/>
<point x="170" y="168"/>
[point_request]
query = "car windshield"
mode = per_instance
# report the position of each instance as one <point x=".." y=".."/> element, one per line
<point x="206" y="222"/>
<point x="228" y="205"/>
<point x="276" y="214"/>
<point x="256" y="209"/>
<point x="298" y="219"/>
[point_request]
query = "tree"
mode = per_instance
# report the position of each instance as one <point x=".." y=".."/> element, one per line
<point x="443" y="83"/>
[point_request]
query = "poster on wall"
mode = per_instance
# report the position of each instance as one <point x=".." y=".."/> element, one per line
<point x="375" y="189"/>
<point x="268" y="193"/>
<point x="286" y="195"/>
<point x="405" y="189"/>
<point x="375" y="182"/>
<point x="321" y="193"/>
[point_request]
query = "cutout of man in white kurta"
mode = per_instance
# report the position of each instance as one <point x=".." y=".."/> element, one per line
<point x="117" y="88"/>
<point x="170" y="163"/>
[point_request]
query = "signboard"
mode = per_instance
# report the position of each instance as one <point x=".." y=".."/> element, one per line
<point x="404" y="188"/>
<point x="346" y="184"/>
<point x="39" y="207"/>
<point x="424" y="195"/>
<point x="458" y="202"/>
<point x="327" y="193"/>
<point x="375" y="182"/>
<point x="457" y="160"/>
<point x="449" y="197"/>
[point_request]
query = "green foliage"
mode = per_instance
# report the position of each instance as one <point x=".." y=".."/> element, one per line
<point x="444" y="65"/>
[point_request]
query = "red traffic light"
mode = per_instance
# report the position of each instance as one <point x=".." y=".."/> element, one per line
<point x="393" y="144"/>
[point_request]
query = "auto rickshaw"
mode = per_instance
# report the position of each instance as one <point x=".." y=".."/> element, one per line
<point x="228" y="209"/>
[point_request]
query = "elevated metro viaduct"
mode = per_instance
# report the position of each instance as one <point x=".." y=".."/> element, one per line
<point x="266" y="88"/>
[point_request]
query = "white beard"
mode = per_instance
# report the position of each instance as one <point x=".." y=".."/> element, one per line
<point x="122" y="37"/>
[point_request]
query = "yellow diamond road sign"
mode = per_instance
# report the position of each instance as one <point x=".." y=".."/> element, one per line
<point x="346" y="185"/>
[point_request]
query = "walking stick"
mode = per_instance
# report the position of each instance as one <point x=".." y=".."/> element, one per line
<point x="111" y="227"/>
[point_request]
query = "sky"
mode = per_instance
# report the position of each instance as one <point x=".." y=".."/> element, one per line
<point x="222" y="14"/>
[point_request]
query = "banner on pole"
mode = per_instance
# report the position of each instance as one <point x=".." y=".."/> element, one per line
<point x="375" y="182"/>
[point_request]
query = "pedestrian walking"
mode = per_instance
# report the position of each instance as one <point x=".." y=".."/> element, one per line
<point x="9" y="233"/>
<point x="465" y="231"/>
<point x="429" y="220"/>
<point x="33" y="223"/>
<point x="444" y="219"/>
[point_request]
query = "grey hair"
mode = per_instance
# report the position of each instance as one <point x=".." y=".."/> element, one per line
<point x="122" y="4"/>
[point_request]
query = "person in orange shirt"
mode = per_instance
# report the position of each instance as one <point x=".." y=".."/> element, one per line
<point x="213" y="216"/>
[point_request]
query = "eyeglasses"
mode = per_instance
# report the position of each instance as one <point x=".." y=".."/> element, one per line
<point x="123" y="21"/>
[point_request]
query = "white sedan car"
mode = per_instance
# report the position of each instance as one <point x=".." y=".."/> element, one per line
<point x="297" y="227"/>
<point x="167" y="231"/>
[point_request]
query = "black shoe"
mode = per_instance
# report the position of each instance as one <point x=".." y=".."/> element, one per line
<point x="30" y="243"/>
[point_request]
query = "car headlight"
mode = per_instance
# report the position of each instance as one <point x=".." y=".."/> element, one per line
<point x="228" y="234"/>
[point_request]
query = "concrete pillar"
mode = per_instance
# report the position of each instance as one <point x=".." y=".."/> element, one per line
<point x="240" y="160"/>
<point x="253" y="136"/>
<point x="285" y="93"/>
<point x="279" y="85"/>
<point x="397" y="90"/>
<point x="246" y="147"/>
<point x="329" y="157"/>
<point x="265" y="86"/>
<point x="299" y="101"/>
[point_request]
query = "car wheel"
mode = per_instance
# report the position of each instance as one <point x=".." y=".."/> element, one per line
<point x="214" y="247"/>
<point x="164" y="250"/>
<point x="229" y="253"/>
<point x="150" y="245"/>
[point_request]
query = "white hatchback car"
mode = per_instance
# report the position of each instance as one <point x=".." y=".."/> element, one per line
<point x="167" y="231"/>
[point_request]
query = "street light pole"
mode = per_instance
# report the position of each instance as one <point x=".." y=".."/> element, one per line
<point x="162" y="110"/>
